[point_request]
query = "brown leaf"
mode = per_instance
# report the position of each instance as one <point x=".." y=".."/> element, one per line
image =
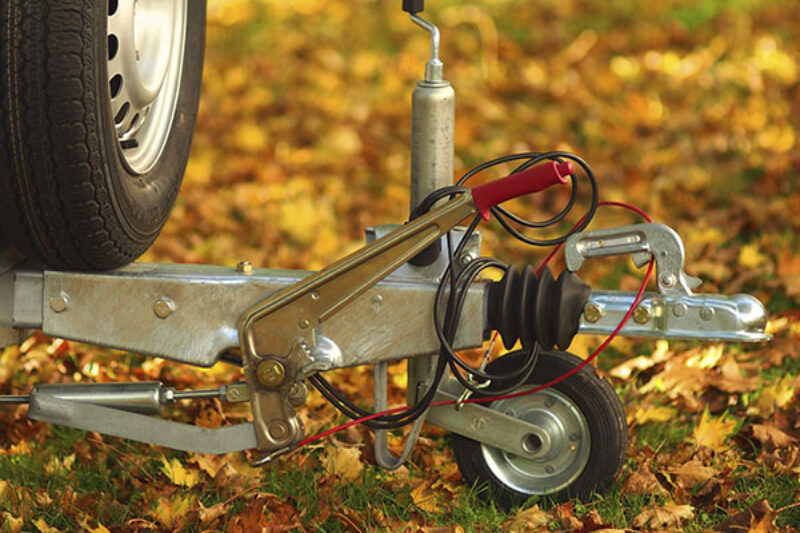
<point x="670" y="515"/>
<point x="692" y="473"/>
<point x="209" y="514"/>
<point x="642" y="481"/>
<point x="531" y="519"/>
<point x="744" y="520"/>
<point x="771" y="437"/>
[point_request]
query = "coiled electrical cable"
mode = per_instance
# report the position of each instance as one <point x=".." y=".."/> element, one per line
<point x="453" y="290"/>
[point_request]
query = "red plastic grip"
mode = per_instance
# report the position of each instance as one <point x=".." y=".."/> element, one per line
<point x="534" y="179"/>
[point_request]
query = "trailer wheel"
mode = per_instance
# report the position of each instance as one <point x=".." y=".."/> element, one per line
<point x="98" y="101"/>
<point x="582" y="446"/>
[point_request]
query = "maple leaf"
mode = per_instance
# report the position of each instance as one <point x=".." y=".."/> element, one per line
<point x="177" y="474"/>
<point x="670" y="515"/>
<point x="713" y="432"/>
<point x="171" y="511"/>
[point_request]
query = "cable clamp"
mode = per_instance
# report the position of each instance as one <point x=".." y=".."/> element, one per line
<point x="468" y="392"/>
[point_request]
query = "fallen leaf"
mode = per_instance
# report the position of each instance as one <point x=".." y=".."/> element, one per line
<point x="692" y="473"/>
<point x="713" y="432"/>
<point x="12" y="524"/>
<point x="670" y="515"/>
<point x="42" y="526"/>
<point x="770" y="436"/>
<point x="179" y="475"/>
<point x="654" y="414"/>
<point x="530" y="519"/>
<point x="642" y="481"/>
<point x="744" y="520"/>
<point x="344" y="462"/>
<point x="209" y="514"/>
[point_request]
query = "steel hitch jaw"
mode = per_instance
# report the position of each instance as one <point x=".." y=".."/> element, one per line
<point x="674" y="312"/>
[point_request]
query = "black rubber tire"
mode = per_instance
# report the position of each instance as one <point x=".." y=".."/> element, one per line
<point x="594" y="397"/>
<point x="66" y="198"/>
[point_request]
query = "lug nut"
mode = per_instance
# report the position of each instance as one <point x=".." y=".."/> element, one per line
<point x="245" y="267"/>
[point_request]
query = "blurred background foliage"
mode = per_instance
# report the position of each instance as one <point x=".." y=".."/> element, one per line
<point x="688" y="109"/>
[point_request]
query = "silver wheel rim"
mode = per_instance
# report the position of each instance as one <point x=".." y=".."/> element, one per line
<point x="145" y="61"/>
<point x="558" y="452"/>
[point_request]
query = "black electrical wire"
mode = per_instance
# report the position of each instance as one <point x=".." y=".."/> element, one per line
<point x="447" y="311"/>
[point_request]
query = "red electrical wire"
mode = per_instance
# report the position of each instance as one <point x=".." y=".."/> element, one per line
<point x="559" y="379"/>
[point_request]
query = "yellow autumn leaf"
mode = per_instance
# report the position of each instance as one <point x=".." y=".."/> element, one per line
<point x="712" y="432"/>
<point x="344" y="462"/>
<point x="12" y="524"/>
<point x="179" y="475"/>
<point x="99" y="529"/>
<point x="43" y="527"/>
<point x="170" y="511"/>
<point x="751" y="257"/>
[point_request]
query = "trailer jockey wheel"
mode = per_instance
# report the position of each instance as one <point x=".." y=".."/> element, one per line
<point x="582" y="442"/>
<point x="98" y="107"/>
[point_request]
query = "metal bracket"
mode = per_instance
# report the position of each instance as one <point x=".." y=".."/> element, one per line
<point x="127" y="425"/>
<point x="641" y="240"/>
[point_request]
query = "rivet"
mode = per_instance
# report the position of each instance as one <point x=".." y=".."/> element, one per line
<point x="377" y="301"/>
<point x="549" y="469"/>
<point x="271" y="373"/>
<point x="593" y="313"/>
<point x="641" y="314"/>
<point x="245" y="267"/>
<point x="303" y="323"/>
<point x="679" y="309"/>
<point x="668" y="280"/>
<point x="707" y="313"/>
<point x="574" y="437"/>
<point x="315" y="295"/>
<point x="59" y="302"/>
<point x="163" y="307"/>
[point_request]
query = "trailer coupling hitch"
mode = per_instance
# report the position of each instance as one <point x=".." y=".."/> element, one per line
<point x="674" y="312"/>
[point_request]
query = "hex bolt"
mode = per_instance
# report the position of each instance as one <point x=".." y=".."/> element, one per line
<point x="641" y="314"/>
<point x="59" y="302"/>
<point x="707" y="313"/>
<point x="679" y="309"/>
<point x="163" y="307"/>
<point x="245" y="267"/>
<point x="278" y="430"/>
<point x="593" y="313"/>
<point x="271" y="373"/>
<point x="668" y="280"/>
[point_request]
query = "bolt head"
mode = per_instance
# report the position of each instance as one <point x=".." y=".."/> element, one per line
<point x="549" y="469"/>
<point x="59" y="302"/>
<point x="245" y="267"/>
<point x="163" y="307"/>
<point x="278" y="430"/>
<point x="303" y="323"/>
<point x="641" y="314"/>
<point x="271" y="373"/>
<point x="593" y="313"/>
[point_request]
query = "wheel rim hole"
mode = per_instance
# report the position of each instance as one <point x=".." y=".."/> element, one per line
<point x="112" y="6"/>
<point x="135" y="120"/>
<point x="113" y="46"/>
<point x="532" y="443"/>
<point x="122" y="113"/>
<point x="115" y="85"/>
